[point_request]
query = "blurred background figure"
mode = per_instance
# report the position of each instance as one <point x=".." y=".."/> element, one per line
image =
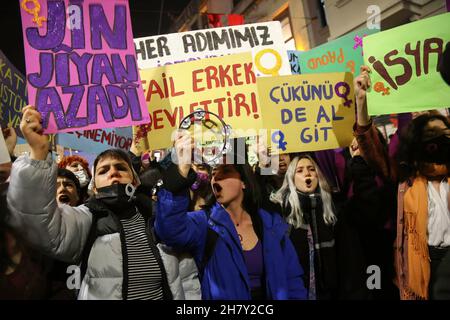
<point x="80" y="167"/>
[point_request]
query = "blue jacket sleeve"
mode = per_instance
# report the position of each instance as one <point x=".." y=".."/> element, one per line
<point x="176" y="227"/>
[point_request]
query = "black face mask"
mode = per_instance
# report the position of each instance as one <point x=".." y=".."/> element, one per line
<point x="119" y="198"/>
<point x="436" y="150"/>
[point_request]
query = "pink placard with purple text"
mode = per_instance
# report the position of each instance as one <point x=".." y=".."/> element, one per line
<point x="81" y="64"/>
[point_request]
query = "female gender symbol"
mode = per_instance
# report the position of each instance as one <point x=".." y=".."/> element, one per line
<point x="34" y="11"/>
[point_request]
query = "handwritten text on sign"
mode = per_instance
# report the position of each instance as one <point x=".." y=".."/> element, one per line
<point x="264" y="40"/>
<point x="81" y="64"/>
<point x="97" y="140"/>
<point x="224" y="85"/>
<point x="405" y="67"/>
<point x="344" y="54"/>
<point x="13" y="94"/>
<point x="308" y="112"/>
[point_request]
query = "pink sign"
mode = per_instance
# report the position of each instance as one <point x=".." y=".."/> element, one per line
<point x="81" y="64"/>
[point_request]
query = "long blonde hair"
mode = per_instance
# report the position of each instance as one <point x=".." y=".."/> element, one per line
<point x="288" y="194"/>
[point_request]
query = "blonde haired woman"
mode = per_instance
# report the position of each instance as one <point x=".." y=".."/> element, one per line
<point x="307" y="206"/>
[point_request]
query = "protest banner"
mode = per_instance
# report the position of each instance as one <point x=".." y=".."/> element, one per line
<point x="4" y="154"/>
<point x="344" y="54"/>
<point x="97" y="140"/>
<point x="405" y="67"/>
<point x="293" y="60"/>
<point x="13" y="94"/>
<point x="223" y="85"/>
<point x="81" y="64"/>
<point x="264" y="40"/>
<point x="308" y="112"/>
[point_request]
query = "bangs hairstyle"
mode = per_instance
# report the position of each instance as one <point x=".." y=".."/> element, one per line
<point x="66" y="161"/>
<point x="287" y="195"/>
<point x="117" y="154"/>
<point x="64" y="173"/>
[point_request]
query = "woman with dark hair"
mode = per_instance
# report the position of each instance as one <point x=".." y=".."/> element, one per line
<point x="423" y="230"/>
<point x="252" y="257"/>
<point x="423" y="219"/>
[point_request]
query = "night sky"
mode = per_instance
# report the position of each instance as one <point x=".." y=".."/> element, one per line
<point x="145" y="16"/>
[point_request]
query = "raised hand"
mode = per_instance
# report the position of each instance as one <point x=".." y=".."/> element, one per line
<point x="361" y="84"/>
<point x="263" y="152"/>
<point x="184" y="145"/>
<point x="31" y="127"/>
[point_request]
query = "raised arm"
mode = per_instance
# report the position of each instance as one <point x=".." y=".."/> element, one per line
<point x="58" y="231"/>
<point x="173" y="224"/>
<point x="366" y="134"/>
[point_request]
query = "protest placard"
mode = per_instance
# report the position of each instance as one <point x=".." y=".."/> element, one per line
<point x="308" y="112"/>
<point x="344" y="54"/>
<point x="405" y="67"/>
<point x="223" y="85"/>
<point x="97" y="140"/>
<point x="264" y="40"/>
<point x="293" y="60"/>
<point x="81" y="64"/>
<point x="13" y="94"/>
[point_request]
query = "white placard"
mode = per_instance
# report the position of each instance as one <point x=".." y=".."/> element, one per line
<point x="264" y="40"/>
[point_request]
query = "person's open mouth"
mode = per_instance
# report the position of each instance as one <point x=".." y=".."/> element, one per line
<point x="64" y="198"/>
<point x="308" y="183"/>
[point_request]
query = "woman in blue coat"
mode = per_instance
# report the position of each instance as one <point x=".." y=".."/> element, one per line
<point x="252" y="256"/>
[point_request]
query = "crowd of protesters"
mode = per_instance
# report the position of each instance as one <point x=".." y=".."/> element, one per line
<point x="135" y="228"/>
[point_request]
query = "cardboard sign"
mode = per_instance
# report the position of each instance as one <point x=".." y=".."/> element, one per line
<point x="224" y="85"/>
<point x="404" y="62"/>
<point x="344" y="54"/>
<point x="81" y="64"/>
<point x="264" y="40"/>
<point x="293" y="60"/>
<point x="308" y="112"/>
<point x="13" y="94"/>
<point x="98" y="140"/>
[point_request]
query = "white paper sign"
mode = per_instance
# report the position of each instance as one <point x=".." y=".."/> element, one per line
<point x="264" y="40"/>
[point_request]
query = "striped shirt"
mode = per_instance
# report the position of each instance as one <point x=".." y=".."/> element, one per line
<point x="144" y="273"/>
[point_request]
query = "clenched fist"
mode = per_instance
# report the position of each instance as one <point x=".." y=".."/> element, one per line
<point x="31" y="128"/>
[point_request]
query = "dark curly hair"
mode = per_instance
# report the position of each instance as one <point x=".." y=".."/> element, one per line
<point x="409" y="151"/>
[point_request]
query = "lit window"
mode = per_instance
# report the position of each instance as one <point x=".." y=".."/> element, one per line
<point x="286" y="30"/>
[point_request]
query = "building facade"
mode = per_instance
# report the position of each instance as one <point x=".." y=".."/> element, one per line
<point x="309" y="23"/>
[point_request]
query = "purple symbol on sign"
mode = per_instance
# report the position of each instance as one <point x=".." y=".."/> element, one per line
<point x="358" y="42"/>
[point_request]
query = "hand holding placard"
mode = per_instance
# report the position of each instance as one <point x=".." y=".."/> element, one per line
<point x="184" y="145"/>
<point x="362" y="83"/>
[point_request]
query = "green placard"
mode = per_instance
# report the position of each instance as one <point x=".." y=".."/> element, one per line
<point x="404" y="63"/>
<point x="344" y="54"/>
